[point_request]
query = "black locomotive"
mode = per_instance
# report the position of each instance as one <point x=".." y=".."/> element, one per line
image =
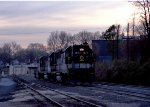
<point x="75" y="63"/>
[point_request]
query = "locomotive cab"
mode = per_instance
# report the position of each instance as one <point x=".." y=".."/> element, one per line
<point x="58" y="66"/>
<point x="53" y="66"/>
<point x="43" y="67"/>
<point x="80" y="62"/>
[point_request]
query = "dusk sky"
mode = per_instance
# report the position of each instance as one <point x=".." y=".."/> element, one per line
<point x="28" y="22"/>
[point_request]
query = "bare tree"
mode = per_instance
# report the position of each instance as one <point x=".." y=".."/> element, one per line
<point x="9" y="51"/>
<point x="34" y="52"/>
<point x="97" y="35"/>
<point x="144" y="7"/>
<point x="38" y="46"/>
<point x="58" y="40"/>
<point x="21" y="55"/>
<point x="14" y="49"/>
<point x="53" y="41"/>
<point x="139" y="30"/>
<point x="84" y="36"/>
<point x="5" y="54"/>
<point x="144" y="11"/>
<point x="65" y="39"/>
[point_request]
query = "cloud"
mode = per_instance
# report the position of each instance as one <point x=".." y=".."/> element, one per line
<point x="52" y="13"/>
<point x="37" y="16"/>
<point x="24" y="40"/>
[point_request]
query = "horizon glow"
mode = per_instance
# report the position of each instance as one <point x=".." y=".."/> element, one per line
<point x="21" y="21"/>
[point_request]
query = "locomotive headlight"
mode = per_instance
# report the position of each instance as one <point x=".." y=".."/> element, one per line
<point x="81" y="49"/>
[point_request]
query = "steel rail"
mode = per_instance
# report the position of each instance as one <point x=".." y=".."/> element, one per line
<point x="34" y="90"/>
<point x="77" y="99"/>
<point x="144" y="97"/>
<point x="89" y="103"/>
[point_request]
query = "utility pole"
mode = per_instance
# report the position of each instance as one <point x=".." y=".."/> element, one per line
<point x="128" y="42"/>
<point x="118" y="32"/>
<point x="133" y="27"/>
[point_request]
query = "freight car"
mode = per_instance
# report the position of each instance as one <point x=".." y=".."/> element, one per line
<point x="75" y="63"/>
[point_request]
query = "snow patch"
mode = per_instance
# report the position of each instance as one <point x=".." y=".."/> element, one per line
<point x="123" y="104"/>
<point x="6" y="82"/>
<point x="18" y="99"/>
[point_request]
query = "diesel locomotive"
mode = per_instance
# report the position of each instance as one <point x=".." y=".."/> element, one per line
<point x="75" y="63"/>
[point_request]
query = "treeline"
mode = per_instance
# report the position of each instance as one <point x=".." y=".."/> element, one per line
<point x="12" y="52"/>
<point x="59" y="40"/>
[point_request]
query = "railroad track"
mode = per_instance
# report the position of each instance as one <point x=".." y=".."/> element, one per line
<point x="143" y="95"/>
<point x="35" y="91"/>
<point x="56" y="97"/>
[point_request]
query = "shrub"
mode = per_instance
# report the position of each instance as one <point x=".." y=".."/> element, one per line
<point x="101" y="69"/>
<point x="143" y="74"/>
<point x="123" y="71"/>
